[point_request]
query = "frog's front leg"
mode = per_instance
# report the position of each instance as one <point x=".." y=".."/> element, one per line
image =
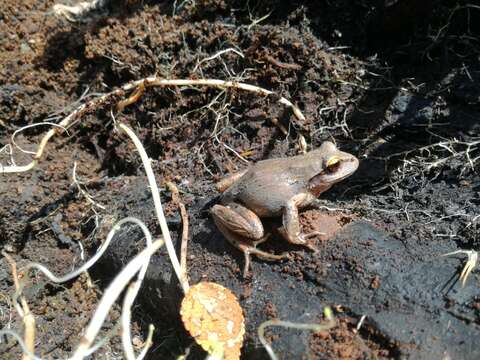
<point x="291" y="230"/>
<point x="243" y="229"/>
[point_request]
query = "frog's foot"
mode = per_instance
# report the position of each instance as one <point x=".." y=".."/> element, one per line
<point x="310" y="235"/>
<point x="248" y="250"/>
<point x="300" y="239"/>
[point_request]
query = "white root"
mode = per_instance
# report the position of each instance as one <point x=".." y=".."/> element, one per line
<point x="152" y="81"/>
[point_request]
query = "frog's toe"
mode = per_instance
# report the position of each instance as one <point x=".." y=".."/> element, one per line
<point x="311" y="247"/>
<point x="267" y="256"/>
<point x="313" y="234"/>
<point x="300" y="238"/>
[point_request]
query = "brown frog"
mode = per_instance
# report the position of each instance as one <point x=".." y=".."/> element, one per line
<point x="277" y="187"/>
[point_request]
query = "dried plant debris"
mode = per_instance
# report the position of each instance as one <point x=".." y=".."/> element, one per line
<point x="214" y="318"/>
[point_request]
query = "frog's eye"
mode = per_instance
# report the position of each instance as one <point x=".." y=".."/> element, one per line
<point x="333" y="163"/>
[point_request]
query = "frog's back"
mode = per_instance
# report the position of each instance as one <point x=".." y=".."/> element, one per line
<point x="267" y="186"/>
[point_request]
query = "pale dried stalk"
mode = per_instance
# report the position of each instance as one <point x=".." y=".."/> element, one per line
<point x="220" y="53"/>
<point x="17" y="337"/>
<point x="155" y="81"/>
<point x="327" y="325"/>
<point x="88" y="264"/>
<point x="183" y="213"/>
<point x="27" y="316"/>
<point x="112" y="292"/>
<point x="18" y="131"/>
<point x="109" y="297"/>
<point x="158" y="206"/>
<point x="126" y="318"/>
<point x="148" y="343"/>
<point x="130" y="296"/>
<point x="469" y="265"/>
<point x="151" y="81"/>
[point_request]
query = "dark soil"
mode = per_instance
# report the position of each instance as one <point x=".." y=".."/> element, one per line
<point x="394" y="83"/>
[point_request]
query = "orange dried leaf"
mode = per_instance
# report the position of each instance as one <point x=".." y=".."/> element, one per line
<point x="213" y="317"/>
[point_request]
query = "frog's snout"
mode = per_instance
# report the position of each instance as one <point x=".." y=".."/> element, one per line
<point x="352" y="164"/>
<point x="347" y="168"/>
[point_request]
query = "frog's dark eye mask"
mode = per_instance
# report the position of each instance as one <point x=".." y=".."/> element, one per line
<point x="335" y="169"/>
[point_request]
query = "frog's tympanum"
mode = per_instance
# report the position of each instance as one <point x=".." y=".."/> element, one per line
<point x="277" y="187"/>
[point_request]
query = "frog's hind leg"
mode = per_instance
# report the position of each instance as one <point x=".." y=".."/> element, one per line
<point x="225" y="183"/>
<point x="239" y="220"/>
<point x="244" y="230"/>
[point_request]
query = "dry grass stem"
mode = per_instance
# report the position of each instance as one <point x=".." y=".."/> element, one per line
<point x="131" y="99"/>
<point x="79" y="184"/>
<point x="158" y="206"/>
<point x="469" y="265"/>
<point x="220" y="53"/>
<point x="8" y="149"/>
<point x="16" y="132"/>
<point x="23" y="346"/>
<point x="27" y="316"/>
<point x="148" y="343"/>
<point x="327" y="325"/>
<point x="87" y="264"/>
<point x="126" y="318"/>
<point x="138" y="264"/>
<point x="110" y="295"/>
<point x="129" y="299"/>
<point x="152" y="81"/>
<point x="360" y="322"/>
<point x="183" y="213"/>
<point x="280" y="126"/>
